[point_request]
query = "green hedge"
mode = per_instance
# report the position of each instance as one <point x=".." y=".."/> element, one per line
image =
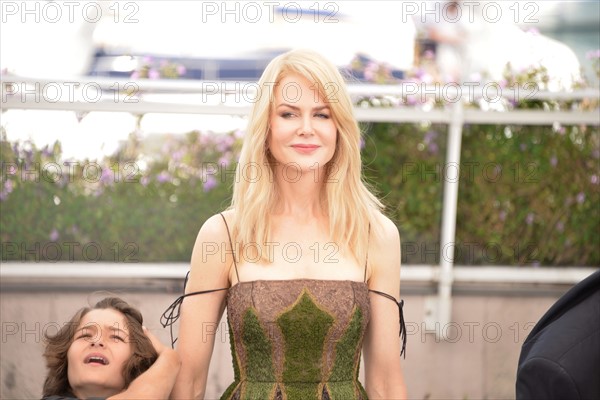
<point x="527" y="195"/>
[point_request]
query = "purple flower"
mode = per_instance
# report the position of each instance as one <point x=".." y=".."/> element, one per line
<point x="224" y="143"/>
<point x="153" y="74"/>
<point x="28" y="156"/>
<point x="204" y="139"/>
<point x="560" y="226"/>
<point x="209" y="183"/>
<point x="54" y="235"/>
<point x="181" y="70"/>
<point x="412" y="100"/>
<point x="107" y="176"/>
<point x="135" y="75"/>
<point x="594" y="179"/>
<point x="433" y="148"/>
<point x="225" y="160"/>
<point x="419" y="73"/>
<point x="580" y="197"/>
<point x="523" y="146"/>
<point x="427" y="78"/>
<point x="8" y="186"/>
<point x="592" y="54"/>
<point x="502" y="215"/>
<point x="46" y="152"/>
<point x="428" y="54"/>
<point x="178" y="155"/>
<point x="430" y="136"/>
<point x="238" y="134"/>
<point x="553" y="161"/>
<point x="529" y="218"/>
<point x="370" y="71"/>
<point x="163" y="177"/>
<point x="145" y="180"/>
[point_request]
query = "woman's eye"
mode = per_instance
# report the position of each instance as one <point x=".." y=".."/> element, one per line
<point x="321" y="115"/>
<point x="117" y="337"/>
<point x="287" y="115"/>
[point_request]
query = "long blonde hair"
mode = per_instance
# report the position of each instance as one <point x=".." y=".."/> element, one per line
<point x="349" y="203"/>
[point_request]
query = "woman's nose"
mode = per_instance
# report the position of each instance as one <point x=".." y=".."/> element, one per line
<point x="306" y="128"/>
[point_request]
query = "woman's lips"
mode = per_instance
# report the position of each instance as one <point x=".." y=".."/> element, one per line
<point x="305" y="148"/>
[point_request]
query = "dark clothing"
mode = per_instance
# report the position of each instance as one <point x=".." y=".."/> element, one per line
<point x="560" y="358"/>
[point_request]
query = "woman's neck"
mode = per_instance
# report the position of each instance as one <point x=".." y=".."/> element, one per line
<point x="301" y="194"/>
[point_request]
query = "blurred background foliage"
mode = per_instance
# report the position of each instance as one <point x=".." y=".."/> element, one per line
<point x="528" y="195"/>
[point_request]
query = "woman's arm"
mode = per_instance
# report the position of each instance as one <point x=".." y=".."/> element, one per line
<point x="381" y="346"/>
<point x="201" y="314"/>
<point x="157" y="381"/>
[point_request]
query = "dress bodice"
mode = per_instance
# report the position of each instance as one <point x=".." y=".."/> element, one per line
<point x="297" y="339"/>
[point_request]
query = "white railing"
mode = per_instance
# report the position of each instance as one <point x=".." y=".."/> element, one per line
<point x="176" y="271"/>
<point x="234" y="98"/>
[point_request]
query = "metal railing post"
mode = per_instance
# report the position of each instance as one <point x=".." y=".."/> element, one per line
<point x="439" y="309"/>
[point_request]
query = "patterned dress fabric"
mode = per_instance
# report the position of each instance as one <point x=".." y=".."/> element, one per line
<point x="297" y="339"/>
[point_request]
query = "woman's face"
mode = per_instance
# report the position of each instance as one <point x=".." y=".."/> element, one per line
<point x="302" y="131"/>
<point x="101" y="347"/>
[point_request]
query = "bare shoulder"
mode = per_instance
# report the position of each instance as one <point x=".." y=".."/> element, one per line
<point x="388" y="231"/>
<point x="214" y="228"/>
<point x="384" y="256"/>
<point x="211" y="257"/>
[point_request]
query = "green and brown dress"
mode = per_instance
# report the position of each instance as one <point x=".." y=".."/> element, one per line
<point x="296" y="339"/>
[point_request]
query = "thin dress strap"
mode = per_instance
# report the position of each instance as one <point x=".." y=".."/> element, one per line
<point x="367" y="257"/>
<point x="400" y="303"/>
<point x="232" y="249"/>
<point x="172" y="313"/>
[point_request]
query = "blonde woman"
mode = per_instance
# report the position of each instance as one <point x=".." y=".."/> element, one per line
<point x="305" y="262"/>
